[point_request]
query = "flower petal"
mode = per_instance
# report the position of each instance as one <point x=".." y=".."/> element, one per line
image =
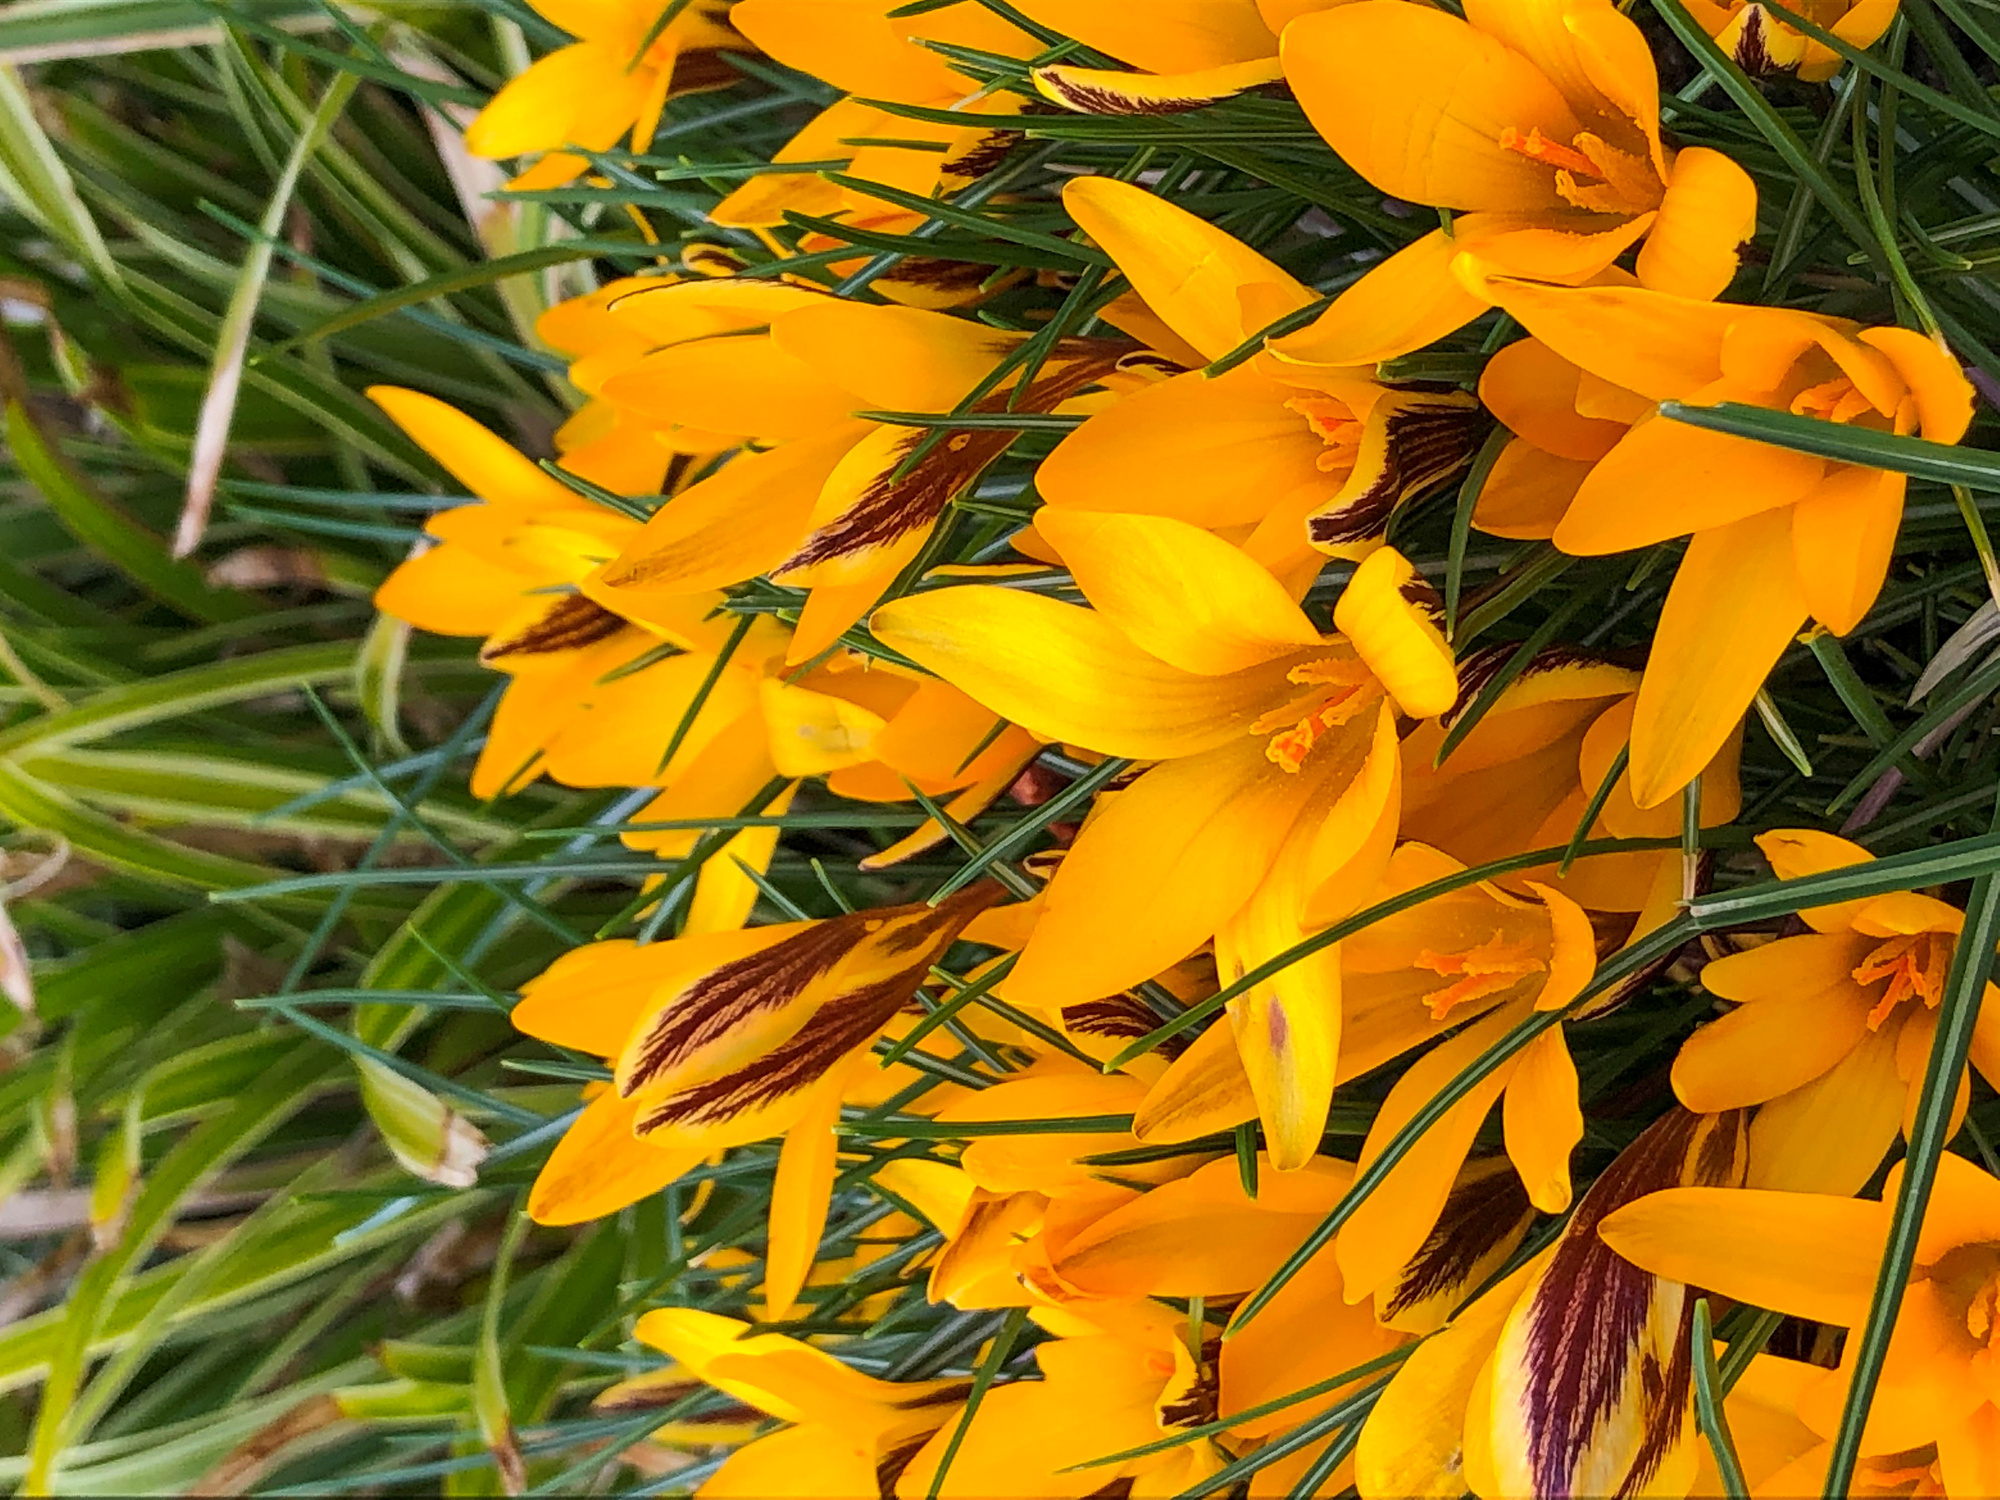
<point x="1212" y="452"/>
<point x="1532" y="390"/>
<point x="1164" y="36"/>
<point x="1408" y="301"/>
<point x="1830" y="1135"/>
<point x="1415" y="100"/>
<point x="1666" y="479"/>
<point x="1190" y="273"/>
<point x="1178" y="592"/>
<point x="1798" y="1253"/>
<point x="599" y="1167"/>
<point x="1543" y="1121"/>
<point x="1665" y="348"/>
<point x="801" y="1191"/>
<point x="1157" y="871"/>
<point x="1710" y="209"/>
<point x="1732" y="609"/>
<point x="1842" y="536"/>
<point x="1066" y="673"/>
<point x="1760" y="1051"/>
<point x="1395" y="619"/>
<point x="485" y="465"/>
<point x="1105" y="91"/>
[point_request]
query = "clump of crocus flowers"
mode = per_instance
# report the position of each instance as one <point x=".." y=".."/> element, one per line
<point x="1283" y="1007"/>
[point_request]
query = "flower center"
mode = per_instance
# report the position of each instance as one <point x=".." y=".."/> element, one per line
<point x="1832" y="401"/>
<point x="1333" y="423"/>
<point x="1591" y="173"/>
<point x="1914" y="964"/>
<point x="1304" y="720"/>
<point x="1484" y="969"/>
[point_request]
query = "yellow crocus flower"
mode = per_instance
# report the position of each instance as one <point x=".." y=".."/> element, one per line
<point x="1273" y="801"/>
<point x="1830" y="1028"/>
<point x="1536" y="123"/>
<point x="614" y="79"/>
<point x="722" y="1038"/>
<point x="1815" y="1256"/>
<point x="1282" y="458"/>
<point x="1779" y="536"/>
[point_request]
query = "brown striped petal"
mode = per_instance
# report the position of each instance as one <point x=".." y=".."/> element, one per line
<point x="767" y="1020"/>
<point x="1103" y="91"/>
<point x="881" y="500"/>
<point x="1410" y="441"/>
<point x="568" y="622"/>
<point x="1590" y="1391"/>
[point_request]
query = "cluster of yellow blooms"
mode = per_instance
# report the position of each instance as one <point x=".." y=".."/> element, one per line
<point x="1249" y="779"/>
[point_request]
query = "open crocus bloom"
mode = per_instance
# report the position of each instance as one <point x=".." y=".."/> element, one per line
<point x="595" y="698"/>
<point x="1832" y="1027"/>
<point x="1537" y="122"/>
<point x="1815" y="1256"/>
<point x="1273" y="802"/>
<point x="1406" y="981"/>
<point x="1269" y="455"/>
<point x="1572" y="1377"/>
<point x="617" y="76"/>
<point x="1477" y="952"/>
<point x="1188" y="52"/>
<point x="1765" y="45"/>
<point x="1778" y="535"/>
<point x="722" y="1038"/>
<point x="845" y="1428"/>
<point x="825" y="504"/>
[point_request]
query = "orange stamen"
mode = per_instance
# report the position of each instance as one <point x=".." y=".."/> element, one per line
<point x="1914" y="964"/>
<point x="1485" y="969"/>
<point x="1539" y="147"/>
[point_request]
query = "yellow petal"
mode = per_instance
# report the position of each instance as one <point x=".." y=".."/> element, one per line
<point x="1190" y="273"/>
<point x="1068" y="674"/>
<point x="1710" y="209"/>
<point x="1415" y="100"/>
<point x="592" y="997"/>
<point x="1798" y="1253"/>
<point x="1390" y="1227"/>
<point x="1165" y="36"/>
<point x="1204" y="1090"/>
<point x="598" y="1167"/>
<point x="748" y="387"/>
<point x="1413" y="1443"/>
<point x="1408" y="301"/>
<point x="800" y="1192"/>
<point x="1842" y="536"/>
<point x="1542" y="1120"/>
<point x="1178" y="592"/>
<point x="892" y="358"/>
<point x="1157" y="871"/>
<point x="1527" y="493"/>
<point x="734" y="525"/>
<point x="1667" y="479"/>
<point x="1944" y="395"/>
<point x="1394" y="620"/>
<point x="1202" y="1236"/>
<point x="1732" y="609"/>
<point x="485" y="465"/>
<point x="1220" y="452"/>
<point x="1830" y="1136"/>
<point x="1533" y="391"/>
<point x="1664" y="348"/>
